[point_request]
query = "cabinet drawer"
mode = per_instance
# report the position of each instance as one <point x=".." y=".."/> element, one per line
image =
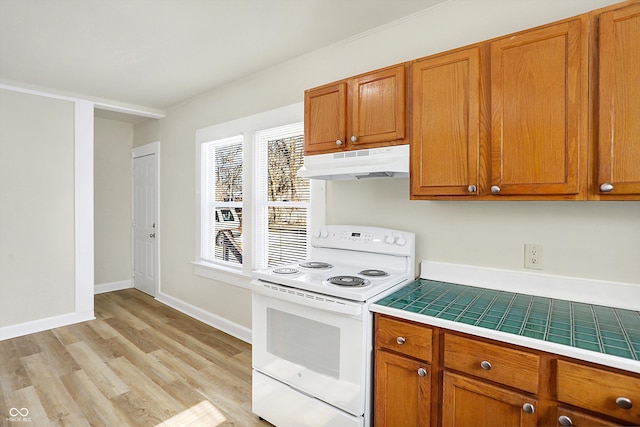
<point x="508" y="366"/>
<point x="406" y="338"/>
<point x="598" y="390"/>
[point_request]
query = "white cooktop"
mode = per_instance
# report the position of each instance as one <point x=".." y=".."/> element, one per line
<point x="349" y="250"/>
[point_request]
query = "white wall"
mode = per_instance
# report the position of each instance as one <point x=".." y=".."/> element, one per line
<point x="113" y="141"/>
<point x="37" y="246"/>
<point x="596" y="240"/>
<point x="587" y="239"/>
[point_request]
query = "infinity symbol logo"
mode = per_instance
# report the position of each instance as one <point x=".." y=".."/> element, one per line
<point x="14" y="412"/>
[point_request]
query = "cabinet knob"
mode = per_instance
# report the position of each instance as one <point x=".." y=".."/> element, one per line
<point x="401" y="340"/>
<point x="422" y="372"/>
<point x="486" y="365"/>
<point x="354" y="138"/>
<point x="472" y="188"/>
<point x="495" y="189"/>
<point x="606" y="187"/>
<point x="528" y="408"/>
<point x="152" y="235"/>
<point x="624" y="402"/>
<point x="565" y="421"/>
<point x="338" y="142"/>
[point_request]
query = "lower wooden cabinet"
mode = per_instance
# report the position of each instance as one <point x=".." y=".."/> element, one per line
<point x="470" y="402"/>
<point x="429" y="376"/>
<point x="601" y="391"/>
<point x="403" y="391"/>
<point x="566" y="417"/>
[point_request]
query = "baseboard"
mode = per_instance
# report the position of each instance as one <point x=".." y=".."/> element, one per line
<point x="204" y="316"/>
<point x="45" y="324"/>
<point x="101" y="288"/>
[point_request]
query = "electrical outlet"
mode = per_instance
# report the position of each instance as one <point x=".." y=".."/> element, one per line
<point x="533" y="256"/>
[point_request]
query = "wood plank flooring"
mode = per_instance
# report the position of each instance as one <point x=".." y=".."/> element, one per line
<point x="140" y="363"/>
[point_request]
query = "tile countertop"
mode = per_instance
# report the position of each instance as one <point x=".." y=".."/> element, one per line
<point x="583" y="330"/>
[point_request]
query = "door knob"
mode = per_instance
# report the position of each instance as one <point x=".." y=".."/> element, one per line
<point x="606" y="187"/>
<point x="624" y="402"/>
<point x="565" y="421"/>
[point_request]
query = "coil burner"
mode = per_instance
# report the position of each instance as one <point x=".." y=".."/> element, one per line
<point x="374" y="273"/>
<point x="286" y="270"/>
<point x="315" y="264"/>
<point x="351" y="281"/>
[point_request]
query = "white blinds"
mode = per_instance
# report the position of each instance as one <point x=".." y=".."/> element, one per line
<point x="282" y="197"/>
<point x="222" y="167"/>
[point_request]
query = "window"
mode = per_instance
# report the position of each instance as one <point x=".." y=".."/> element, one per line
<point x="222" y="165"/>
<point x="282" y="198"/>
<point x="252" y="209"/>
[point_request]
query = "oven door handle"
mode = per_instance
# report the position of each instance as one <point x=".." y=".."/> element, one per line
<point x="308" y="299"/>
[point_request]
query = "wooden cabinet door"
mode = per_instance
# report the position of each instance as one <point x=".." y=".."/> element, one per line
<point x="447" y="125"/>
<point x="619" y="103"/>
<point x="566" y="417"/>
<point x="539" y="110"/>
<point x="377" y="106"/>
<point x="325" y="118"/>
<point x="402" y="396"/>
<point x="469" y="402"/>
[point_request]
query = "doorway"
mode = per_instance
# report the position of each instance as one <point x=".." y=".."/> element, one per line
<point x="144" y="225"/>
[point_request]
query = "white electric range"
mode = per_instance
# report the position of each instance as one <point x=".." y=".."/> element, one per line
<point x="312" y="330"/>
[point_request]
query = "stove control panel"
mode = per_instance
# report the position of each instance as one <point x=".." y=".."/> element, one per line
<point x="364" y="238"/>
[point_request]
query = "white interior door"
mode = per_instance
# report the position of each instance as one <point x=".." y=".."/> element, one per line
<point x="145" y="230"/>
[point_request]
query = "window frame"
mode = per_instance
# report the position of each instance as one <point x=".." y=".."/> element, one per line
<point x="247" y="127"/>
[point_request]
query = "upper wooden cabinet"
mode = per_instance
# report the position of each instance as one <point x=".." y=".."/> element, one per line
<point x="529" y="142"/>
<point x="617" y="169"/>
<point x="539" y="111"/>
<point x="365" y="111"/>
<point x="449" y="148"/>
<point x="325" y="118"/>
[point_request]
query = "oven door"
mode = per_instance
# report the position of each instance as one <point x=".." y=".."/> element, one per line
<point x="313" y="343"/>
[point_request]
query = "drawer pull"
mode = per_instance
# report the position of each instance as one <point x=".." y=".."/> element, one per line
<point x="486" y="365"/>
<point x="565" y="421"/>
<point x="528" y="408"/>
<point x="624" y="403"/>
<point x="422" y="372"/>
<point x="401" y="340"/>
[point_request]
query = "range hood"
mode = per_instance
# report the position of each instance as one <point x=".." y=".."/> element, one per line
<point x="384" y="162"/>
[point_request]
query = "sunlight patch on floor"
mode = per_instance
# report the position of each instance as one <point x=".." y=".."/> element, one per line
<point x="202" y="414"/>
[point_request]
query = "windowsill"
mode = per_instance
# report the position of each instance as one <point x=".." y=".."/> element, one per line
<point x="222" y="274"/>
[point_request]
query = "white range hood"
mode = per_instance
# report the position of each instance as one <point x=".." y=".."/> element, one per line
<point x="384" y="162"/>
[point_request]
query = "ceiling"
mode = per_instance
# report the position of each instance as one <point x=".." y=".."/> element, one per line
<point x="158" y="53"/>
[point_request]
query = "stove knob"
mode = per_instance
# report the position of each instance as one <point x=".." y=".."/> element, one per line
<point x="316" y="233"/>
<point x="389" y="239"/>
<point x="400" y="241"/>
<point x="324" y="233"/>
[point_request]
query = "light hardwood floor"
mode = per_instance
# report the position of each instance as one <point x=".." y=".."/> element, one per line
<point x="140" y="363"/>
